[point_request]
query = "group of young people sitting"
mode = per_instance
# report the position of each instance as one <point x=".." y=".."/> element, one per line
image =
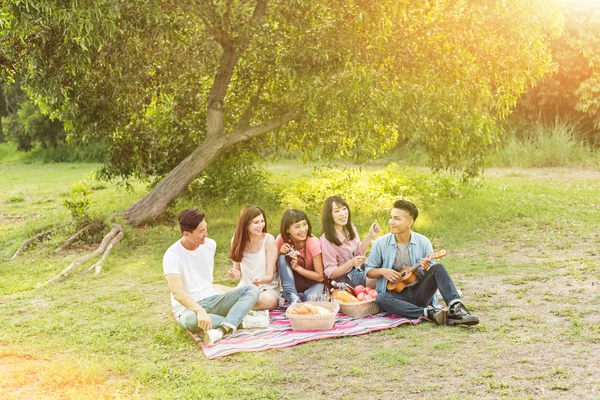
<point x="303" y="263"/>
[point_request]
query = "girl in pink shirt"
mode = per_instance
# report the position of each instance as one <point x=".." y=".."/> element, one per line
<point x="343" y="252"/>
<point x="299" y="264"/>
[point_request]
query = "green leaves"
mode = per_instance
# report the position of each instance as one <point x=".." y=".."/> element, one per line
<point x="363" y="74"/>
<point x="573" y="90"/>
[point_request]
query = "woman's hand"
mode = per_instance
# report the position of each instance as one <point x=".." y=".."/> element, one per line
<point x="285" y="248"/>
<point x="375" y="229"/>
<point x="234" y="274"/>
<point x="257" y="281"/>
<point x="357" y="261"/>
<point x="294" y="264"/>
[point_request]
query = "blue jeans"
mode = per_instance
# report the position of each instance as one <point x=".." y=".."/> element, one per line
<point x="410" y="302"/>
<point x="353" y="277"/>
<point x="288" y="283"/>
<point x="223" y="309"/>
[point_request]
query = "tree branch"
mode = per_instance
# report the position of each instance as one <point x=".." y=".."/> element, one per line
<point x="245" y="118"/>
<point x="229" y="58"/>
<point x="209" y="17"/>
<point x="240" y="134"/>
<point x="73" y="238"/>
<point x="97" y="267"/>
<point x="117" y="229"/>
<point x="26" y="243"/>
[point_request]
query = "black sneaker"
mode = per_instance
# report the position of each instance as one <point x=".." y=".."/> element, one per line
<point x="459" y="315"/>
<point x="437" y="315"/>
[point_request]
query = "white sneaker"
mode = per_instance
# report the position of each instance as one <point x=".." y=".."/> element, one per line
<point x="255" y="321"/>
<point x="262" y="312"/>
<point x="212" y="336"/>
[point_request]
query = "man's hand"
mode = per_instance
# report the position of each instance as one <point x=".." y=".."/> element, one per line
<point x="425" y="263"/>
<point x="390" y="274"/>
<point x="235" y="274"/>
<point x="204" y="321"/>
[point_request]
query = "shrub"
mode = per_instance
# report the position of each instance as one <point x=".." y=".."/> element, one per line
<point x="63" y="152"/>
<point x="78" y="202"/>
<point x="371" y="191"/>
<point x="237" y="177"/>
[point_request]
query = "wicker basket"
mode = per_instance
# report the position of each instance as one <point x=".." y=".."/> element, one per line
<point x="358" y="310"/>
<point x="315" y="322"/>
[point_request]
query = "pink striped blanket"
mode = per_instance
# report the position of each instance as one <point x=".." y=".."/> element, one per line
<point x="280" y="334"/>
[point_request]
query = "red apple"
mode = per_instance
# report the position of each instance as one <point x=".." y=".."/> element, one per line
<point x="358" y="289"/>
<point x="362" y="296"/>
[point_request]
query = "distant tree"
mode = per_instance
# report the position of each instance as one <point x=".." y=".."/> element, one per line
<point x="572" y="91"/>
<point x="171" y="85"/>
<point x="25" y="125"/>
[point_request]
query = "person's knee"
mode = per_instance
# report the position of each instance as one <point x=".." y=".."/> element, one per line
<point x="281" y="261"/>
<point x="381" y="298"/>
<point x="252" y="291"/>
<point x="435" y="268"/>
<point x="267" y="301"/>
<point x="189" y="321"/>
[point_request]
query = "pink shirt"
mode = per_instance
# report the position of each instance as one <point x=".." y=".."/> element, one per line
<point x="312" y="248"/>
<point x="334" y="256"/>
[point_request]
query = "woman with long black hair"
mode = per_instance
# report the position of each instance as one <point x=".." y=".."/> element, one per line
<point x="343" y="252"/>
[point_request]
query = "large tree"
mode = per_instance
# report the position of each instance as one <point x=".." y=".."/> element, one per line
<point x="171" y="85"/>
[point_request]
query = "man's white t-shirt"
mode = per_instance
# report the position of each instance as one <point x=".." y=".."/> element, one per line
<point x="195" y="268"/>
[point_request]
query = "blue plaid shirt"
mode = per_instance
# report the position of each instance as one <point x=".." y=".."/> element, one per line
<point x="383" y="255"/>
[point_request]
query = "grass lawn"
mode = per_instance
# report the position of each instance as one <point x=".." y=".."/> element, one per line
<point x="523" y="247"/>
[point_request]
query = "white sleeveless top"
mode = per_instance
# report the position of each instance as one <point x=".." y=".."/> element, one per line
<point x="254" y="265"/>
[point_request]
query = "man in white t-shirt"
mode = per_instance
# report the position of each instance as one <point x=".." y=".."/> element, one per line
<point x="188" y="267"/>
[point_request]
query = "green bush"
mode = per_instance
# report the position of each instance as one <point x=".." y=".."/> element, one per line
<point x="63" y="152"/>
<point x="371" y="191"/>
<point x="78" y="202"/>
<point x="235" y="178"/>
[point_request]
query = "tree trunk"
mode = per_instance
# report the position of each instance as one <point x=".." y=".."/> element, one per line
<point x="156" y="201"/>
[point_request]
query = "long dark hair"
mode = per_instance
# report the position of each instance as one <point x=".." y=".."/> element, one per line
<point x="241" y="237"/>
<point x="289" y="218"/>
<point x="327" y="225"/>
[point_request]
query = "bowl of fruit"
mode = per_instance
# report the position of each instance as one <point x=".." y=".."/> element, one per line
<point x="356" y="302"/>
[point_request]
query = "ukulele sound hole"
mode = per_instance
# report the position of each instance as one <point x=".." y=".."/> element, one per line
<point x="402" y="275"/>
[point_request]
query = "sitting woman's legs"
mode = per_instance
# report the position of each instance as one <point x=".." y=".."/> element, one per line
<point x="288" y="284"/>
<point x="267" y="301"/>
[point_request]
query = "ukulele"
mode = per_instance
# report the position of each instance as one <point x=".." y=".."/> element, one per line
<point x="409" y="274"/>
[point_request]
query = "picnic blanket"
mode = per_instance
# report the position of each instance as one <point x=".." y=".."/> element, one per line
<point x="280" y="334"/>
